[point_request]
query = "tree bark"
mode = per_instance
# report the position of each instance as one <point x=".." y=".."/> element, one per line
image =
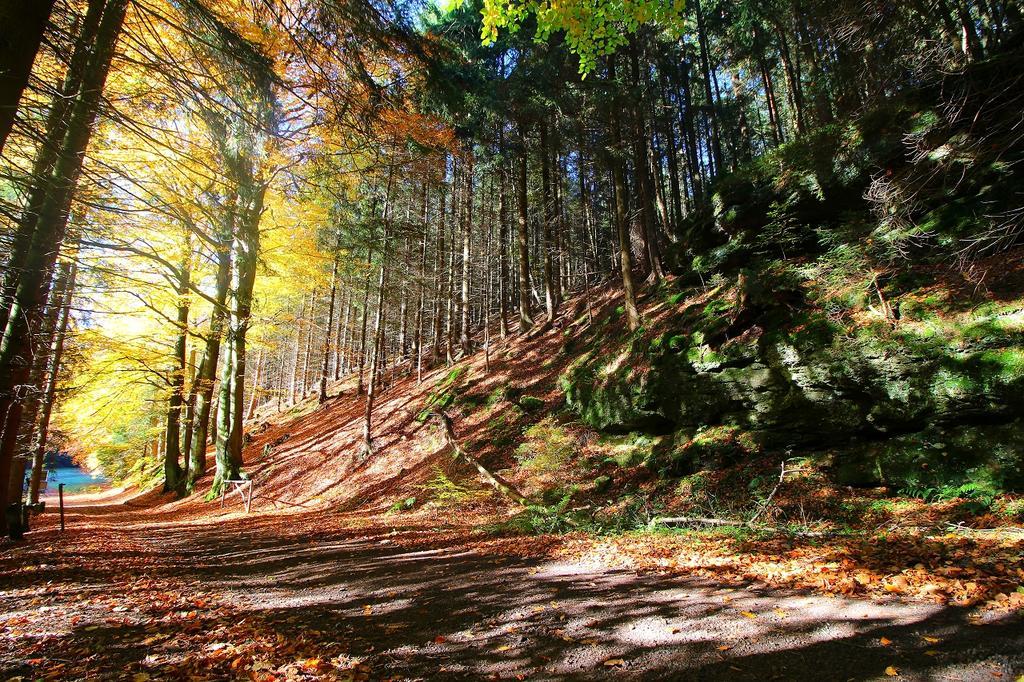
<point x="503" y="272"/>
<point x="25" y="22"/>
<point x="464" y="324"/>
<point x="176" y="379"/>
<point x="206" y="377"/>
<point x="621" y="227"/>
<point x="547" y="219"/>
<point x="247" y="247"/>
<point x="523" y="235"/>
<point x="330" y="321"/>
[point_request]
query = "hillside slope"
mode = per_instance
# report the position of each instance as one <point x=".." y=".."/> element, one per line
<point x="615" y="435"/>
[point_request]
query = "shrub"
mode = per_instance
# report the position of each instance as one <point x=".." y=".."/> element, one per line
<point x="548" y="447"/>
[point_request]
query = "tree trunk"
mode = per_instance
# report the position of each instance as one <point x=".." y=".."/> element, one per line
<point x="247" y="246"/>
<point x="464" y="324"/>
<point x="523" y="236"/>
<point x="172" y="448"/>
<point x="50" y="392"/>
<point x="378" y="330"/>
<point x="330" y="321"/>
<point x="206" y="377"/>
<point x="675" y="196"/>
<point x="421" y="289"/>
<point x="547" y="219"/>
<point x="621" y="227"/>
<point x="308" y="351"/>
<point x="257" y="385"/>
<point x="363" y="322"/>
<point x="439" y="283"/>
<point x="188" y="423"/>
<point x="705" y="65"/>
<point x="344" y="337"/>
<point x="24" y="22"/>
<point x="29" y="395"/>
<point x="503" y="273"/>
<point x="293" y="390"/>
<point x="54" y="132"/>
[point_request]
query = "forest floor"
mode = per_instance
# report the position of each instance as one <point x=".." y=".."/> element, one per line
<point x="132" y="591"/>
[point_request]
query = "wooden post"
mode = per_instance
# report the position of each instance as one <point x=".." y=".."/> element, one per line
<point x="60" y="497"/>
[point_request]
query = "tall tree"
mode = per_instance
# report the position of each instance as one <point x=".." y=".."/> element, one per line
<point x="18" y="50"/>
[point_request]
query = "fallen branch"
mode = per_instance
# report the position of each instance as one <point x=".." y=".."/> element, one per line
<point x="702" y="521"/>
<point x="694" y="520"/>
<point x="768" y="500"/>
<point x="496" y="481"/>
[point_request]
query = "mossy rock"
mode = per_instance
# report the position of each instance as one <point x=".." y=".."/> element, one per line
<point x="936" y="458"/>
<point x="530" y="403"/>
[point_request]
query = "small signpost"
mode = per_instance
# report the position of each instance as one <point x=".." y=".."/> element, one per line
<point x="244" y="489"/>
<point x="60" y="497"/>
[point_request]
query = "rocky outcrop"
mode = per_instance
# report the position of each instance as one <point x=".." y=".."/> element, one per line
<point x="813" y="389"/>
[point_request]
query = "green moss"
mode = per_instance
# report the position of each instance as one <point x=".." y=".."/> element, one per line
<point x="714" y="447"/>
<point x="530" y="404"/>
<point x="631" y="449"/>
<point x="1006" y="364"/>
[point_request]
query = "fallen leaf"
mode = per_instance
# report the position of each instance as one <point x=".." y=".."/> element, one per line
<point x="885" y="641"/>
<point x="748" y="614"/>
<point x="892" y="671"/>
<point x="611" y="662"/>
<point x="725" y="647"/>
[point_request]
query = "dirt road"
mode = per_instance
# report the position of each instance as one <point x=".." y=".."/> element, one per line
<point x="140" y="597"/>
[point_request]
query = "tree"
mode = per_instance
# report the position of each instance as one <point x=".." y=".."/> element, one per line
<point x="18" y="50"/>
<point x="50" y="226"/>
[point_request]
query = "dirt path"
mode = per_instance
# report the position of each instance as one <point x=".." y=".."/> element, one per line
<point x="141" y="597"/>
